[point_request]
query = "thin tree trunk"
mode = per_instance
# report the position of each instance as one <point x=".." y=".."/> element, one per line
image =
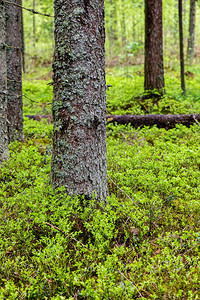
<point x="79" y="159"/>
<point x="181" y="45"/>
<point x="14" y="70"/>
<point x="23" y="46"/>
<point x="3" y="86"/>
<point x="34" y="30"/>
<point x="111" y="23"/>
<point x="190" y="48"/>
<point x="154" y="71"/>
<point x="123" y="24"/>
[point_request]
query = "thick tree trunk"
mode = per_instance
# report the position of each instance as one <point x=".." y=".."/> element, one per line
<point x="3" y="86"/>
<point x="162" y="121"/>
<point x="79" y="159"/>
<point x="14" y="73"/>
<point x="190" y="49"/>
<point x="182" y="65"/>
<point x="154" y="71"/>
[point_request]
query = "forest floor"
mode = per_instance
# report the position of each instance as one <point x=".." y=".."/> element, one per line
<point x="145" y="242"/>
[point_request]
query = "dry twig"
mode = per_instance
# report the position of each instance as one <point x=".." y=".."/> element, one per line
<point x="28" y="9"/>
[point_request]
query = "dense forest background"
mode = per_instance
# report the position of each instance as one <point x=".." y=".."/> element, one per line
<point x="124" y="23"/>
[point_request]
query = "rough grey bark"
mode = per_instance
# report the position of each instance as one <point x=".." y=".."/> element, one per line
<point x="154" y="70"/>
<point x="79" y="159"/>
<point x="14" y="72"/>
<point x="3" y="86"/>
<point x="190" y="48"/>
<point x="182" y="65"/>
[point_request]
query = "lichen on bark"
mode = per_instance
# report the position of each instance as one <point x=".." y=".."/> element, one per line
<point x="14" y="70"/>
<point x="79" y="159"/>
<point x="3" y="86"/>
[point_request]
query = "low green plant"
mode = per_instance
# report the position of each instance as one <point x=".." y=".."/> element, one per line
<point x="143" y="243"/>
<point x="37" y="97"/>
<point x="126" y="96"/>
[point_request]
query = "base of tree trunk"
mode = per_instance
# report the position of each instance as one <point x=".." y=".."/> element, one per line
<point x="161" y="121"/>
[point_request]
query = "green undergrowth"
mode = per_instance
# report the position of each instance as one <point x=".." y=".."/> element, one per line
<point x="126" y="94"/>
<point x="37" y="92"/>
<point x="127" y="91"/>
<point x="144" y="243"/>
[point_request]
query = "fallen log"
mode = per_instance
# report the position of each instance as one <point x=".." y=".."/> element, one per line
<point x="40" y="117"/>
<point x="162" y="121"/>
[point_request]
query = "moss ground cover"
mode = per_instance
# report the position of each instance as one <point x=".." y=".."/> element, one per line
<point x="144" y="243"/>
<point x="125" y="95"/>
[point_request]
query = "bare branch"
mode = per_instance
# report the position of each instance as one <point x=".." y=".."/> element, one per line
<point x="28" y="9"/>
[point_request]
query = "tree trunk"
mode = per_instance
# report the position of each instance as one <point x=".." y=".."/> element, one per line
<point x="162" y="121"/>
<point x="3" y="86"/>
<point x="190" y="49"/>
<point x="154" y="71"/>
<point x="14" y="72"/>
<point x="34" y="28"/>
<point x="79" y="159"/>
<point x="23" y="47"/>
<point x="180" y="9"/>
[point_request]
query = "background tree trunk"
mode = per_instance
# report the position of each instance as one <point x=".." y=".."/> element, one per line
<point x="180" y="10"/>
<point x="154" y="71"/>
<point x="23" y="47"/>
<point x="14" y="72"/>
<point x="34" y="27"/>
<point x="190" y="49"/>
<point x="3" y="86"/>
<point x="79" y="159"/>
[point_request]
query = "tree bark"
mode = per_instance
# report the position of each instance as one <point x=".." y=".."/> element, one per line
<point x="3" y="86"/>
<point x="79" y="159"/>
<point x="23" y="47"/>
<point x="162" y="121"/>
<point x="190" y="49"/>
<point x="14" y="70"/>
<point x="182" y="66"/>
<point x="154" y="71"/>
